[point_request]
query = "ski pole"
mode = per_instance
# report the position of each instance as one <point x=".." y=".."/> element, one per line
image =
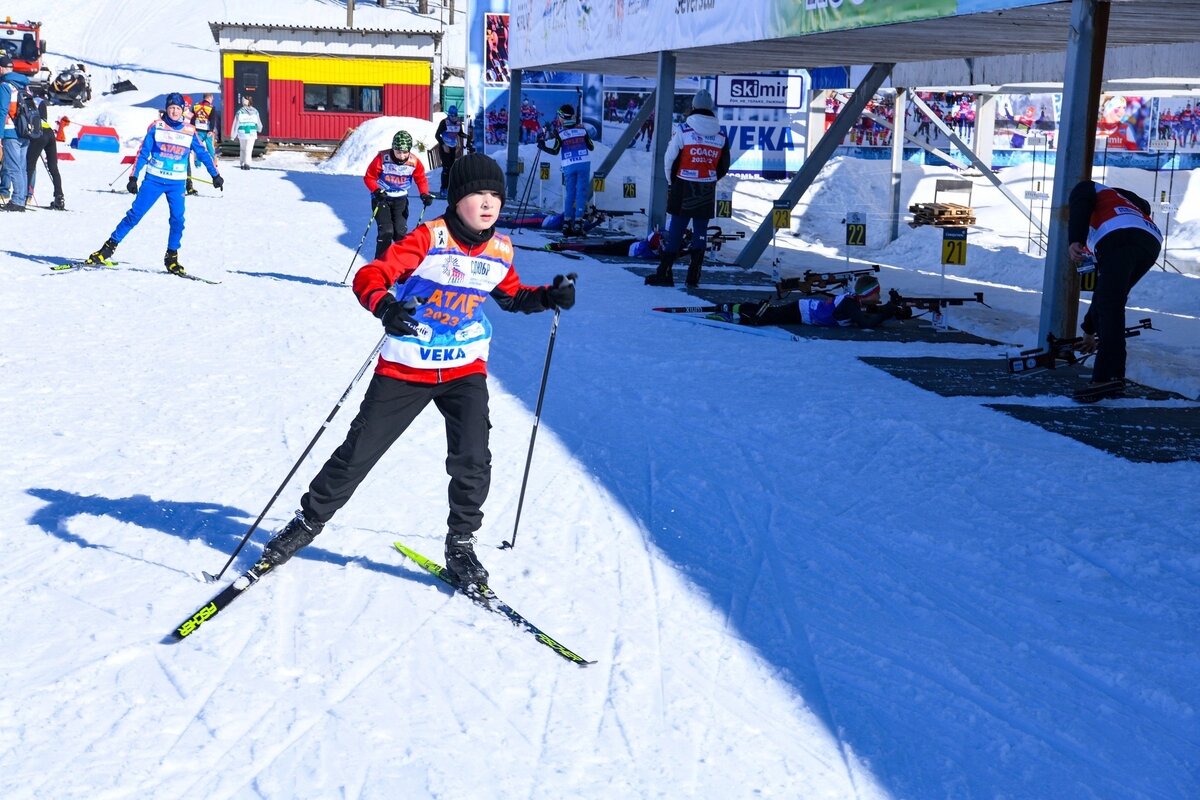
<point x="523" y="205"/>
<point x="360" y="242"/>
<point x="114" y="180"/>
<point x="366" y="364"/>
<point x="537" y="418"/>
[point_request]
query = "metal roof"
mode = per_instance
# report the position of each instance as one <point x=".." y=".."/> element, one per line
<point x="1031" y="29"/>
<point x="217" y="27"/>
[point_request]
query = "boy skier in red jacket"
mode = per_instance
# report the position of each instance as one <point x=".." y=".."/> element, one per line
<point x="428" y="291"/>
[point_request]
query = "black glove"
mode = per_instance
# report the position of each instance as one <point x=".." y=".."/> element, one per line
<point x="397" y="318"/>
<point x="379" y="195"/>
<point x="132" y="185"/>
<point x="903" y="311"/>
<point x="561" y="293"/>
<point x="218" y="182"/>
<point x="427" y="199"/>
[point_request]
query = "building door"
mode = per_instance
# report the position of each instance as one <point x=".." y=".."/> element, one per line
<point x="453" y="96"/>
<point x="251" y="78"/>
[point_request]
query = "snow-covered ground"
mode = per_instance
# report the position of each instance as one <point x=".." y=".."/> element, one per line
<point x="799" y="576"/>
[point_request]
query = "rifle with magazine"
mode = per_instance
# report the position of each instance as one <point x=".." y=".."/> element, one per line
<point x="933" y="304"/>
<point x="1065" y="350"/>
<point x="813" y="282"/>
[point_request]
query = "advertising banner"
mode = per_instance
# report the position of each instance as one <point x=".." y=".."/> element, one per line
<point x="1123" y="123"/>
<point x="559" y="31"/>
<point x="760" y="91"/>
<point x="1177" y="123"/>
<point x="822" y="16"/>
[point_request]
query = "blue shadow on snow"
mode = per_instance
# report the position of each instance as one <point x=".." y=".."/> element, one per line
<point x="219" y="526"/>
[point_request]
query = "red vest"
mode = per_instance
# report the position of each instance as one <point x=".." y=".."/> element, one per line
<point x="698" y="156"/>
<point x="1112" y="212"/>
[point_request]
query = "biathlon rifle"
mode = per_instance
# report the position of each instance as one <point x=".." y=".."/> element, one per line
<point x="1064" y="350"/>
<point x="934" y="304"/>
<point x="714" y="237"/>
<point x="811" y="282"/>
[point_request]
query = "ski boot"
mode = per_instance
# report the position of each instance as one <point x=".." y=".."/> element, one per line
<point x="171" y="262"/>
<point x="694" y="264"/>
<point x="296" y="534"/>
<point x="189" y="189"/>
<point x="1100" y="390"/>
<point x="663" y="277"/>
<point x="101" y="256"/>
<point x="461" y="562"/>
<point x="741" y="313"/>
<point x="59" y="204"/>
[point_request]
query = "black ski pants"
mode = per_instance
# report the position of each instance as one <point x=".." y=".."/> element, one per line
<point x="447" y="162"/>
<point x="389" y="407"/>
<point x="391" y="221"/>
<point x="1122" y="258"/>
<point x="50" y="145"/>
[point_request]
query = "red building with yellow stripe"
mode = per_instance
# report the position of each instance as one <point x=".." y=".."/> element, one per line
<point x="313" y="84"/>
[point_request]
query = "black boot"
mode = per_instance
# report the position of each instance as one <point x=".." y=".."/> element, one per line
<point x="696" y="259"/>
<point x="59" y="204"/>
<point x="102" y="255"/>
<point x="663" y="277"/>
<point x="296" y="534"/>
<point x="189" y="189"/>
<point x="171" y="262"/>
<point x="461" y="562"/>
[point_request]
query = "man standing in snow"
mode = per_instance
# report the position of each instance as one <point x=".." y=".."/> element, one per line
<point x="165" y="152"/>
<point x="696" y="158"/>
<point x="14" y="178"/>
<point x="571" y="142"/>
<point x="247" y="124"/>
<point x="388" y="177"/>
<point x="207" y="122"/>
<point x="449" y="138"/>
<point x="45" y="143"/>
<point x="1115" y="226"/>
<point x="428" y="291"/>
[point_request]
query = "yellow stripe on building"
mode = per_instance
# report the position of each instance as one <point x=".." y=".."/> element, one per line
<point x="343" y="71"/>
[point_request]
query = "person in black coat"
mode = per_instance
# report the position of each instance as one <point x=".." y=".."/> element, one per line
<point x="47" y="144"/>
<point x="697" y="157"/>
<point x="1114" y="227"/>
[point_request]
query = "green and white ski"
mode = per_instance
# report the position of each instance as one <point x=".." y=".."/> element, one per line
<point x="488" y="599"/>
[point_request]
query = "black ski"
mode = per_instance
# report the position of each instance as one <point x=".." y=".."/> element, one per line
<point x="83" y="266"/>
<point x="192" y="277"/>
<point x="219" y="601"/>
<point x="687" y="309"/>
<point x="547" y="249"/>
<point x="486" y="598"/>
<point x="1095" y="392"/>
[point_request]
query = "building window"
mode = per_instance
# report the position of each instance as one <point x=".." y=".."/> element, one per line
<point x="356" y="99"/>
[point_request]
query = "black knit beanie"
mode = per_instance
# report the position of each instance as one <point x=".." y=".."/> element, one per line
<point x="474" y="172"/>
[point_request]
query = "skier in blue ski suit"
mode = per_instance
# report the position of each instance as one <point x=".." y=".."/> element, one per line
<point x="573" y="145"/>
<point x="165" y="153"/>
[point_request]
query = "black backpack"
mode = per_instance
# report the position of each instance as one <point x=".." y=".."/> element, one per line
<point x="28" y="120"/>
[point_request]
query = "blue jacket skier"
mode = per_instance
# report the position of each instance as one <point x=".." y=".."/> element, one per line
<point x="165" y="154"/>
<point x="573" y="146"/>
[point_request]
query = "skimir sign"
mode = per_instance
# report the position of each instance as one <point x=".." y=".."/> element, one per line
<point x="759" y="91"/>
